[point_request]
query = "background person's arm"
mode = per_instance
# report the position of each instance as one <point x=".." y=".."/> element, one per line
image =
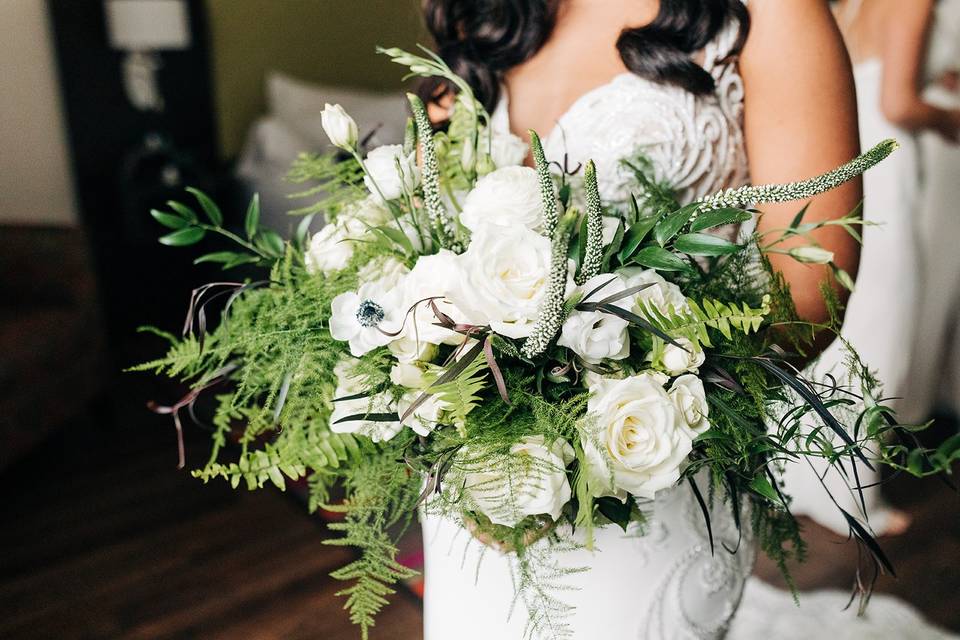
<point x="906" y="29"/>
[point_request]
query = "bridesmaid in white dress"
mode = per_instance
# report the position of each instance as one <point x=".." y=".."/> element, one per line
<point x="677" y="92"/>
<point x="936" y="362"/>
<point x="888" y="42"/>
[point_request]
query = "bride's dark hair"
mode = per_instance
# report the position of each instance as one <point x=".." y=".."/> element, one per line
<point x="482" y="39"/>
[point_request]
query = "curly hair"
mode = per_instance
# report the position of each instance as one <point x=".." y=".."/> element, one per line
<point x="483" y="39"/>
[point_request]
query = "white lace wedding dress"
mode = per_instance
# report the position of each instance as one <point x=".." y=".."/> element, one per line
<point x="667" y="584"/>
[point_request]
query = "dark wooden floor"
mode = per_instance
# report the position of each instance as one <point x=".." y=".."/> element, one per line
<point x="102" y="538"/>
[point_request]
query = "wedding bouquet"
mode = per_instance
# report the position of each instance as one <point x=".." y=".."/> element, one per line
<point x="491" y="341"/>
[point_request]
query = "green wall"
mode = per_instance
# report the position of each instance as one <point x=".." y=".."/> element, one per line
<point x="328" y="41"/>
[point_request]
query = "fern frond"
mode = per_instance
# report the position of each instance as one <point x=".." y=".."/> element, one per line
<point x="693" y="323"/>
<point x="462" y="394"/>
<point x="290" y="456"/>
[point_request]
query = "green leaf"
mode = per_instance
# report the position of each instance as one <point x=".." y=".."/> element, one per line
<point x="799" y="217"/>
<point x="614" y="246"/>
<point x="635" y="235"/>
<point x="615" y="511"/>
<point x="915" y="462"/>
<point x="660" y="259"/>
<point x="252" y="220"/>
<point x="843" y="277"/>
<point x="169" y="220"/>
<point x="241" y="258"/>
<point x="704" y="244"/>
<point x="762" y="486"/>
<point x="673" y="222"/>
<point x="579" y="249"/>
<point x="183" y="237"/>
<point x="183" y="210"/>
<point x="395" y="236"/>
<point x="303" y="230"/>
<point x="718" y="218"/>
<point x="218" y="256"/>
<point x="209" y="206"/>
<point x="270" y="242"/>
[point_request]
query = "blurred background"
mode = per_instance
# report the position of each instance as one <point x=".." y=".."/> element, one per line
<point x="111" y="108"/>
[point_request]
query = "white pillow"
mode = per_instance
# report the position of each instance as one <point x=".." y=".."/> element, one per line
<point x="298" y="105"/>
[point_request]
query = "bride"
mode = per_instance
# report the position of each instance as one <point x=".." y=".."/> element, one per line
<point x="712" y="92"/>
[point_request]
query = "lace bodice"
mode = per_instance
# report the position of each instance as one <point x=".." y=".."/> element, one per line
<point x="694" y="143"/>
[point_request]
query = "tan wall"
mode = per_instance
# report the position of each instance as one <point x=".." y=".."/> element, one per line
<point x="329" y="41"/>
<point x="35" y="182"/>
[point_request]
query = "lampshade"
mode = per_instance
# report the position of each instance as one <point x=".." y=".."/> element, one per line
<point x="145" y="25"/>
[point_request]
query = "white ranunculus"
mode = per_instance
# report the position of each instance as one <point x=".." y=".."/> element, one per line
<point x="597" y="335"/>
<point x="390" y="172"/>
<point x="409" y="375"/>
<point x="332" y="247"/>
<point x="532" y="482"/>
<point x="424" y="418"/>
<point x="636" y="437"/>
<point x="362" y="317"/>
<point x="504" y="148"/>
<point x="682" y="359"/>
<point x="407" y="348"/>
<point x="504" y="275"/>
<point x="370" y="211"/>
<point x="433" y="277"/>
<point x="690" y="399"/>
<point x="339" y="127"/>
<point x="349" y="384"/>
<point x="389" y="271"/>
<point x="665" y="296"/>
<point x="507" y="197"/>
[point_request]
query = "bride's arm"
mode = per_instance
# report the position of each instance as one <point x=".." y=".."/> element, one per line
<point x="801" y="120"/>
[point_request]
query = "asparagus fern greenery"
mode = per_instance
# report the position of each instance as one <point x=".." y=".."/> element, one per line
<point x="372" y="360"/>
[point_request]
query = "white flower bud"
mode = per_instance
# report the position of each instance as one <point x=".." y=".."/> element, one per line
<point x="339" y="127"/>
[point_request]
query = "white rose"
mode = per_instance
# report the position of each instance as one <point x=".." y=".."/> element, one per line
<point x="339" y="127"/>
<point x="349" y="384"/>
<point x="683" y="358"/>
<point x="390" y="172"/>
<point x="362" y="318"/>
<point x="332" y="247"/>
<point x="532" y="482"/>
<point x="432" y="277"/>
<point x="690" y="399"/>
<point x="665" y="296"/>
<point x="507" y="197"/>
<point x="503" y="278"/>
<point x="597" y="335"/>
<point x="504" y="148"/>
<point x="636" y="438"/>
